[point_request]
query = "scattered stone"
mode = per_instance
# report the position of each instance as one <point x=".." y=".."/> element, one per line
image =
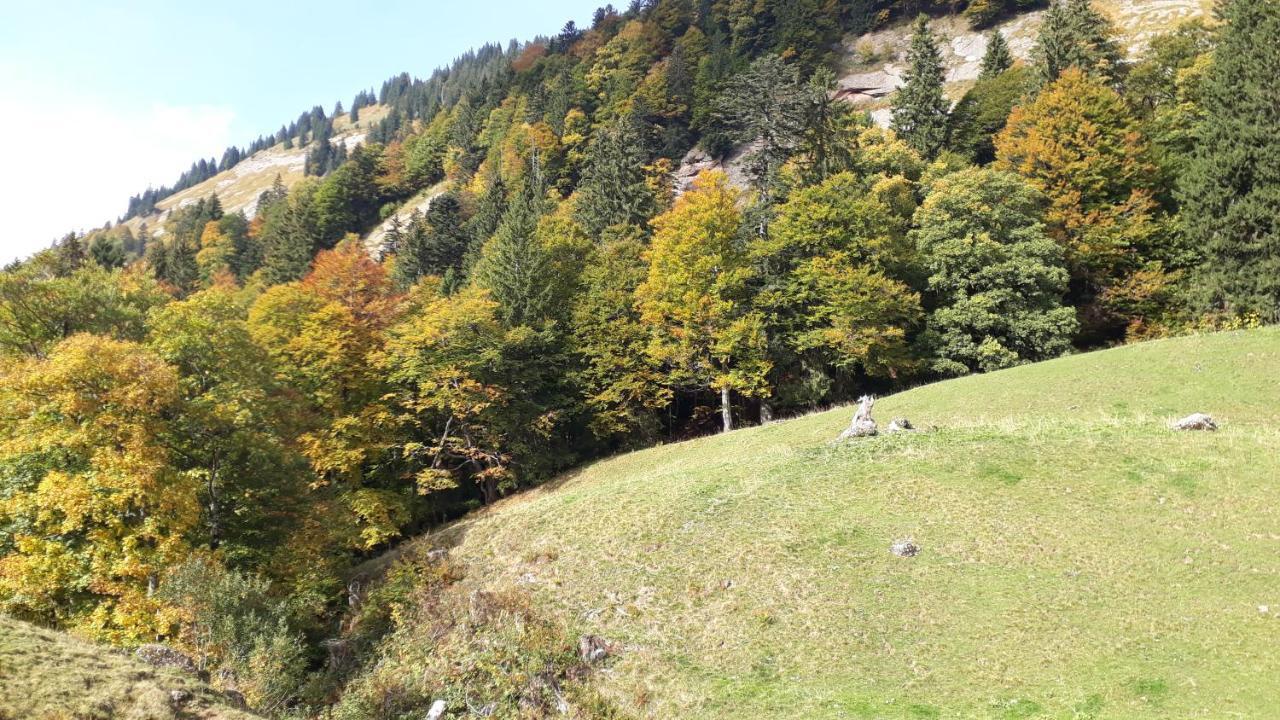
<point x="166" y="657"/>
<point x="862" y="425"/>
<point x="437" y="555"/>
<point x="437" y="710"/>
<point x="900" y="425"/>
<point x="904" y="548"/>
<point x="1264" y="609"/>
<point x="236" y="699"/>
<point x="1197" y="421"/>
<point x="483" y="606"/>
<point x="593" y="649"/>
<point x="179" y="697"/>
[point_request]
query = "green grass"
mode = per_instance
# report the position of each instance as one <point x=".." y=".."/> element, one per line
<point x="1079" y="559"/>
<point x="46" y="675"/>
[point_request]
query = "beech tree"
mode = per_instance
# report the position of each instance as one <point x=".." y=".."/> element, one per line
<point x="94" y="511"/>
<point x="1079" y="144"/>
<point x="705" y="336"/>
<point x="996" y="278"/>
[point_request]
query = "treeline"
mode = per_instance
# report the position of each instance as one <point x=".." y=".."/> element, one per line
<point x="200" y="443"/>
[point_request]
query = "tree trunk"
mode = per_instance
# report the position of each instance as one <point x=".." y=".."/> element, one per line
<point x="726" y="409"/>
<point x="766" y="412"/>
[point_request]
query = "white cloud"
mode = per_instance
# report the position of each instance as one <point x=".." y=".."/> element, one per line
<point x="72" y="163"/>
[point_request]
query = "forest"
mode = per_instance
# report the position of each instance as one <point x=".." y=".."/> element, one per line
<point x="204" y="431"/>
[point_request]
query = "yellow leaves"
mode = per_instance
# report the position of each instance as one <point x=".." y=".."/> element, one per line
<point x="381" y="514"/>
<point x="107" y="511"/>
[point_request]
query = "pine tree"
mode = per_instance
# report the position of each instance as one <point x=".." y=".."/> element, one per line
<point x="998" y="57"/>
<point x="765" y="104"/>
<point x="920" y="108"/>
<point x="1074" y="34"/>
<point x="1231" y="190"/>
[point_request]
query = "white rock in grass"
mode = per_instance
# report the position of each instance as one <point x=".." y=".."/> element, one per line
<point x="899" y="425"/>
<point x="904" y="548"/>
<point x="1197" y="421"/>
<point x="437" y="710"/>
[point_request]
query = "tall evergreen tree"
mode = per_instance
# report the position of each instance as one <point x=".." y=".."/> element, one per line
<point x="613" y="189"/>
<point x="1231" y="190"/>
<point x="1074" y="34"/>
<point x="920" y="108"/>
<point x="998" y="57"/>
<point x="513" y="265"/>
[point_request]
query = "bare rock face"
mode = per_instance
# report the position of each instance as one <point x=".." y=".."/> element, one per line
<point x="876" y="61"/>
<point x="166" y="657"/>
<point x="862" y="425"/>
<point x="904" y="548"/>
<point x="1197" y="421"/>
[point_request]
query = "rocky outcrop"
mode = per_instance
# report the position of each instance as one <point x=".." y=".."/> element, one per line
<point x="875" y="62"/>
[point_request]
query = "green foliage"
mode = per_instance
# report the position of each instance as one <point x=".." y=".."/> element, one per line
<point x="1075" y="34"/>
<point x="232" y="623"/>
<point x="614" y="188"/>
<point x="998" y="57"/>
<point x="621" y="385"/>
<point x="1230" y="192"/>
<point x="996" y="279"/>
<point x="983" y="111"/>
<point x="919" y="108"/>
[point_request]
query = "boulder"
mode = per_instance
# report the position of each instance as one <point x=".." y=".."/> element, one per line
<point x="904" y="548"/>
<point x="178" y="698"/>
<point x="436" y="711"/>
<point x="863" y="425"/>
<point x="166" y="657"/>
<point x="592" y="649"/>
<point x="899" y="425"/>
<point x="1197" y="421"/>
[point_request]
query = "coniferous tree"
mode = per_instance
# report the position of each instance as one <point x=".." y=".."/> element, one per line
<point x="513" y="264"/>
<point x="920" y="108"/>
<point x="765" y="104"/>
<point x="613" y="189"/>
<point x="183" y="271"/>
<point x="107" y="252"/>
<point x="1231" y="190"/>
<point x="1074" y="34"/>
<point x="998" y="57"/>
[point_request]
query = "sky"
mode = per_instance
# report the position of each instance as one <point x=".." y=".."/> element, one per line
<point x="100" y="99"/>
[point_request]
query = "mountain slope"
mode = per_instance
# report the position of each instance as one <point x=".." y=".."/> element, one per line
<point x="1078" y="558"/>
<point x="239" y="187"/>
<point x="46" y="675"/>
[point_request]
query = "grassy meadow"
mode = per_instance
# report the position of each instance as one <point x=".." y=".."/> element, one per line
<point x="1079" y="559"/>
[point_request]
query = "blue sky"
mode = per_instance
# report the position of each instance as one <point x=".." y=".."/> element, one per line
<point x="98" y="99"/>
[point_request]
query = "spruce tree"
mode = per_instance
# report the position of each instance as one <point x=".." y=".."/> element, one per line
<point x="998" y="57"/>
<point x="107" y="252"/>
<point x="613" y="190"/>
<point x="1074" y="34"/>
<point x="514" y="265"/>
<point x="1231" y="190"/>
<point x="920" y="108"/>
